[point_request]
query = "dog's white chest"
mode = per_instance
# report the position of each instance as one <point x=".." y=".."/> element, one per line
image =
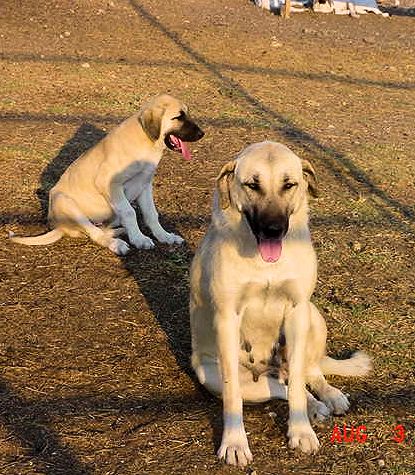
<point x="262" y="314"/>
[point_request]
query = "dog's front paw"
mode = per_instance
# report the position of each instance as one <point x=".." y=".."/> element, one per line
<point x="119" y="246"/>
<point x="170" y="238"/>
<point x="234" y="449"/>
<point x="336" y="401"/>
<point x="142" y="242"/>
<point x="303" y="437"/>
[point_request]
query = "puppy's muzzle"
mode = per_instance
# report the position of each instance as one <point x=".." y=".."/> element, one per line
<point x="188" y="132"/>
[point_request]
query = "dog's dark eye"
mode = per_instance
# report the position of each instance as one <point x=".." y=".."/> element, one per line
<point x="181" y="116"/>
<point x="289" y="185"/>
<point x="252" y="185"/>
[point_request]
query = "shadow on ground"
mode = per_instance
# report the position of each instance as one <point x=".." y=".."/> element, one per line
<point x="340" y="166"/>
<point x="31" y="421"/>
<point x="85" y="137"/>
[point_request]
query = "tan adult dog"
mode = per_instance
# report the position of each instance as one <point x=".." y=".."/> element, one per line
<point x="251" y="284"/>
<point x="101" y="184"/>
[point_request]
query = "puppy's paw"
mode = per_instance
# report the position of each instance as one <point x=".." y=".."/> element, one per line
<point x="336" y="401"/>
<point x="234" y="449"/>
<point x="116" y="232"/>
<point x="170" y="238"/>
<point x="301" y="436"/>
<point x="119" y="246"/>
<point x="142" y="242"/>
<point x="317" y="411"/>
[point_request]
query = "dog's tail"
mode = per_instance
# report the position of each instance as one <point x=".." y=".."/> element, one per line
<point x="42" y="240"/>
<point x="360" y="364"/>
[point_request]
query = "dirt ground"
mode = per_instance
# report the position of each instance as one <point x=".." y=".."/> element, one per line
<point x="94" y="349"/>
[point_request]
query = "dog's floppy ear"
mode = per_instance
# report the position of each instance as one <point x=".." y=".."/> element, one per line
<point x="223" y="182"/>
<point x="150" y="119"/>
<point x="310" y="177"/>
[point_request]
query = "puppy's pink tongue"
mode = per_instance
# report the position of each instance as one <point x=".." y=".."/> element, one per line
<point x="270" y="249"/>
<point x="181" y="146"/>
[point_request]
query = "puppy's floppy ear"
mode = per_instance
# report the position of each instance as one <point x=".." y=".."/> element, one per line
<point x="223" y="182"/>
<point x="310" y="177"/>
<point x="150" y="119"/>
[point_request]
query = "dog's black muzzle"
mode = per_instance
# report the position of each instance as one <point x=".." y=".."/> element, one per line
<point x="188" y="132"/>
<point x="266" y="225"/>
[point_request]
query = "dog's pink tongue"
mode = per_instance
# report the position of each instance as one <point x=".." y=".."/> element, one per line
<point x="270" y="249"/>
<point x="181" y="147"/>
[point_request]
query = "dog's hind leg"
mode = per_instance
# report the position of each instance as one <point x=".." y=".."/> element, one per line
<point x="297" y="329"/>
<point x="253" y="391"/>
<point x="70" y="215"/>
<point x="332" y="397"/>
<point x="264" y="389"/>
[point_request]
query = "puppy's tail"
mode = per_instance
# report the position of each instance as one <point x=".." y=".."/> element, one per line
<point x="42" y="240"/>
<point x="360" y="364"/>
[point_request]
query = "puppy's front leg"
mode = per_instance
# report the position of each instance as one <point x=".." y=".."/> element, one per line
<point x="151" y="218"/>
<point x="126" y="214"/>
<point x="300" y="433"/>
<point x="234" y="448"/>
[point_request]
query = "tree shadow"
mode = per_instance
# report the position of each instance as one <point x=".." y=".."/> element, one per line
<point x="246" y="68"/>
<point x="338" y="164"/>
<point x="31" y="429"/>
<point x="30" y="422"/>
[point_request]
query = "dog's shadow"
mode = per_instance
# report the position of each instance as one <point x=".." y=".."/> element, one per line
<point x="84" y="138"/>
<point x="162" y="276"/>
